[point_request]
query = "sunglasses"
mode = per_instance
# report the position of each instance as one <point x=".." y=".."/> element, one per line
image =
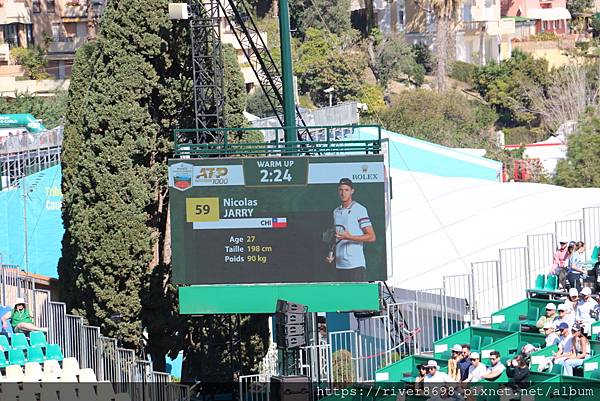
<point x="474" y="359"/>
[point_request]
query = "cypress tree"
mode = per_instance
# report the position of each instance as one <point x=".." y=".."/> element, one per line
<point x="129" y="90"/>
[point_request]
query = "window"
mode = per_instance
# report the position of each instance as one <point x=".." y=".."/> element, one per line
<point x="50" y="6"/>
<point x="10" y="35"/>
<point x="35" y="5"/>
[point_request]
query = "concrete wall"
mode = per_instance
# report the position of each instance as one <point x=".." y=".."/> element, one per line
<point x="9" y="86"/>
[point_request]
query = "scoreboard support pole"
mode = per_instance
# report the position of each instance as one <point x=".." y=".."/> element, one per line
<point x="287" y="73"/>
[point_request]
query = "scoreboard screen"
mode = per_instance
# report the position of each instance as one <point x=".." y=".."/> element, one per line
<point x="278" y="219"/>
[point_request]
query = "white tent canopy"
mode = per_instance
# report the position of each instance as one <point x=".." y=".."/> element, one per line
<point x="443" y="224"/>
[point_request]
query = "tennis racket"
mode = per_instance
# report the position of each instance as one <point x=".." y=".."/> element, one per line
<point x="338" y="229"/>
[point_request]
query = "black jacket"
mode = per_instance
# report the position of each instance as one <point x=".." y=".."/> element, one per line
<point x="519" y="377"/>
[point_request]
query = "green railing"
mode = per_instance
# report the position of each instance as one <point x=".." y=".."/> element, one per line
<point x="225" y="142"/>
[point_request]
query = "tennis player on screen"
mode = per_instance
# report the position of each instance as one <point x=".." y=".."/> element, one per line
<point x="352" y="229"/>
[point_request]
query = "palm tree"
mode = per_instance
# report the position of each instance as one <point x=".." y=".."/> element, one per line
<point x="446" y="16"/>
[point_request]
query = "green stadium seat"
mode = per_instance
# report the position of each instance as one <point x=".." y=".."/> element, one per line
<point x="16" y="357"/>
<point x="540" y="281"/>
<point x="486" y="341"/>
<point x="504" y="326"/>
<point x="3" y="362"/>
<point x="38" y="338"/>
<point x="53" y="352"/>
<point x="445" y="355"/>
<point x="533" y="314"/>
<point x="35" y="354"/>
<point x="476" y="343"/>
<point x="556" y="369"/>
<point x="595" y="253"/>
<point x="4" y="342"/>
<point x="19" y="341"/>
<point x="551" y="283"/>
<point x="595" y="374"/>
<point x="515" y="326"/>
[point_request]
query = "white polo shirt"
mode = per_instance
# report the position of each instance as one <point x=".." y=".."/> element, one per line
<point x="350" y="254"/>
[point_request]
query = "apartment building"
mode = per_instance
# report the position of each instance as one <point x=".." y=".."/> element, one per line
<point x="549" y="15"/>
<point x="16" y="27"/>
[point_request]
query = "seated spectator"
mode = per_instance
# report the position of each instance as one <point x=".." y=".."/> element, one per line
<point x="21" y="320"/>
<point x="565" y="345"/>
<point x="585" y="305"/>
<point x="495" y="370"/>
<point x="465" y="362"/>
<point x="477" y="369"/>
<point x="434" y="375"/>
<point x="551" y="336"/>
<point x="580" y="351"/>
<point x="572" y="299"/>
<point x="565" y="315"/>
<point x="518" y="372"/>
<point x="453" y="370"/>
<point x="550" y="316"/>
<point x="420" y="378"/>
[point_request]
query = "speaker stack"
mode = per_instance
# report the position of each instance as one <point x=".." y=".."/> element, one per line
<point x="290" y="326"/>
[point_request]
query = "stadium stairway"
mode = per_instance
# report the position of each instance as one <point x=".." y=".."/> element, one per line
<point x="74" y="362"/>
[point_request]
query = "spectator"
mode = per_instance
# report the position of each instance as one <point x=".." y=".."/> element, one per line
<point x="477" y="369"/>
<point x="572" y="299"/>
<point x="518" y="372"/>
<point x="465" y="363"/>
<point x="453" y="370"/>
<point x="585" y="305"/>
<point x="580" y="351"/>
<point x="576" y="270"/>
<point x="551" y="336"/>
<point x="559" y="263"/>
<point x="565" y="345"/>
<point x="565" y="315"/>
<point x="421" y="378"/>
<point x="434" y="375"/>
<point x="21" y="320"/>
<point x="550" y="316"/>
<point x="495" y="370"/>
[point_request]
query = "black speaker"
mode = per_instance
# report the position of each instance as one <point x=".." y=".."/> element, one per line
<point x="290" y="324"/>
<point x="290" y="388"/>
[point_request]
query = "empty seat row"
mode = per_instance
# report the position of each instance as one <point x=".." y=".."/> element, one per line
<point x="16" y="356"/>
<point x="61" y="392"/>
<point x="20" y="341"/>
<point x="51" y="371"/>
<point x="478" y="343"/>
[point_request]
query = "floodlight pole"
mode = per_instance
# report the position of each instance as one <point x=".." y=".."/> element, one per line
<point x="287" y="73"/>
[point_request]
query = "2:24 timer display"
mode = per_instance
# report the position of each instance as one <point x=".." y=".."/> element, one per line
<point x="275" y="175"/>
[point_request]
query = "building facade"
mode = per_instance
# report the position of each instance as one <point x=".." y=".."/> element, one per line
<point x="549" y="15"/>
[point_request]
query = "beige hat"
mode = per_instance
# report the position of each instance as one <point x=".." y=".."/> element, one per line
<point x="474" y="355"/>
<point x="573" y="292"/>
<point x="550" y="306"/>
<point x="20" y="301"/>
<point x="431" y="364"/>
<point x="586" y="291"/>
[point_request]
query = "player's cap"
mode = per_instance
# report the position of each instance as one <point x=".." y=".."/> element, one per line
<point x="586" y="291"/>
<point x="550" y="306"/>
<point x="347" y="181"/>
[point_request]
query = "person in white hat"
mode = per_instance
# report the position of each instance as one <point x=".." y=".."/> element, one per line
<point x="565" y="315"/>
<point x="477" y="369"/>
<point x="435" y="376"/>
<point x="21" y="319"/>
<point x="550" y="316"/>
<point x="551" y="336"/>
<point x="453" y="370"/>
<point x="572" y="299"/>
<point x="585" y="305"/>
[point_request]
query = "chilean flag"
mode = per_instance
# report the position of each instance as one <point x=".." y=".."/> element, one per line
<point x="279" y="222"/>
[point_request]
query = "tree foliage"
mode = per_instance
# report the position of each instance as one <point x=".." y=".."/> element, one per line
<point x="332" y="16"/>
<point x="33" y="61"/>
<point x="258" y="104"/>
<point x="50" y="110"/>
<point x="582" y="166"/>
<point x="447" y="118"/>
<point x="392" y="58"/>
<point x="503" y="85"/>
<point x="324" y="60"/>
